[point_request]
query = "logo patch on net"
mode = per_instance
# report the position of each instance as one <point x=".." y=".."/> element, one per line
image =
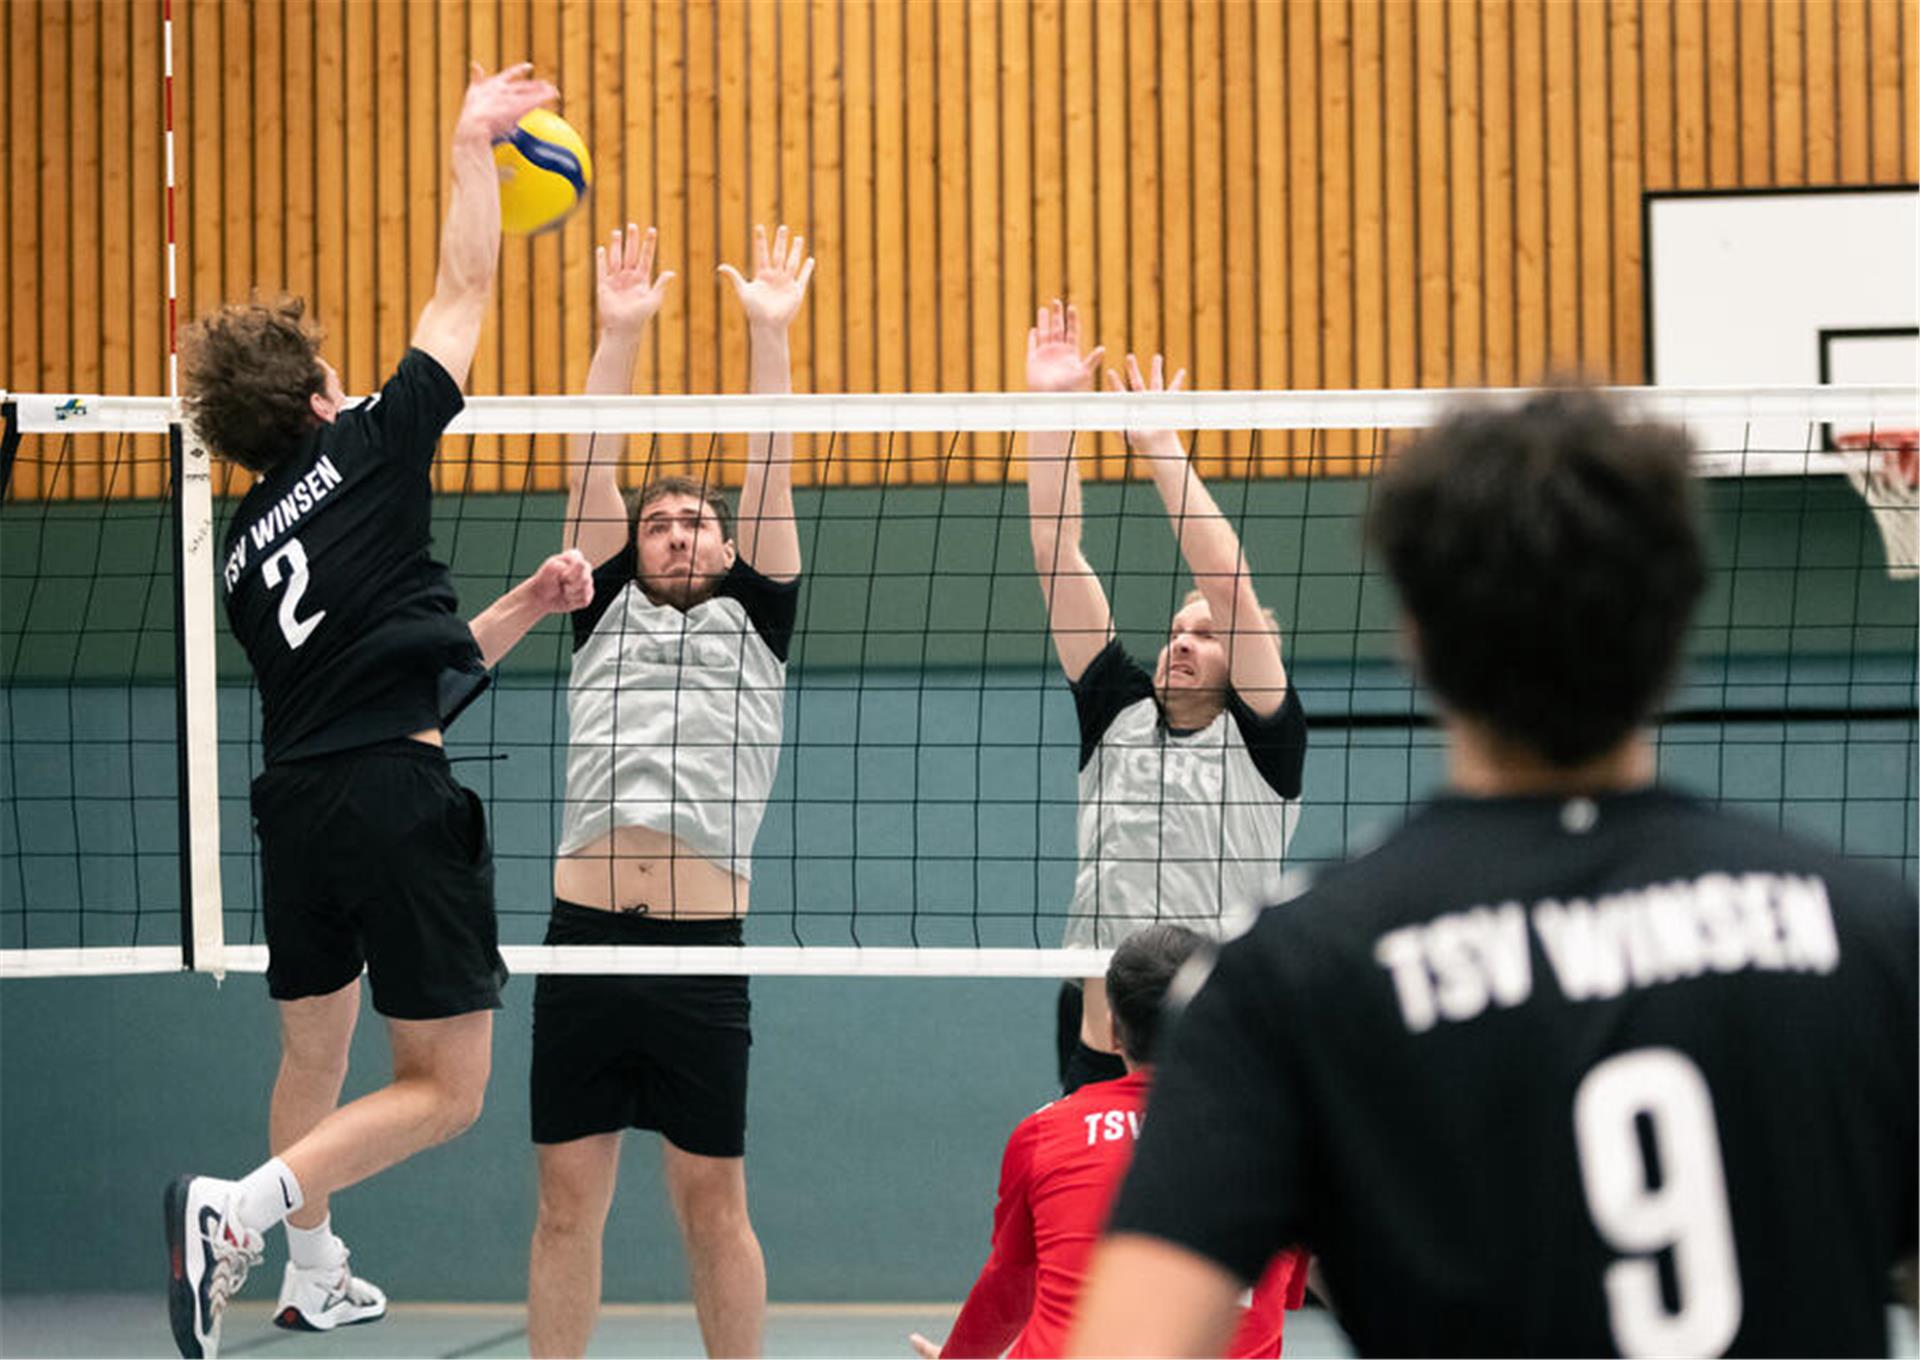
<point x="71" y="409"/>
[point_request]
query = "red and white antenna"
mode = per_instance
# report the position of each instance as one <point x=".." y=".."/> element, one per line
<point x="173" y="358"/>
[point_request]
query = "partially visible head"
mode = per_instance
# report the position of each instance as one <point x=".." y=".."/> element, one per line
<point x="1548" y="559"/>
<point x="1141" y="971"/>
<point x="254" y="380"/>
<point x="682" y="533"/>
<point x="1193" y="663"/>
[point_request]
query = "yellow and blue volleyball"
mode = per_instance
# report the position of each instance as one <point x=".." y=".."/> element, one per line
<point x="545" y="173"/>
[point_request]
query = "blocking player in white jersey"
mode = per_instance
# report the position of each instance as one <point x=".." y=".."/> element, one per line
<point x="675" y="703"/>
<point x="1189" y="773"/>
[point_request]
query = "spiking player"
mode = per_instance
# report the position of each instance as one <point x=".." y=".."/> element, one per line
<point x="1573" y="1064"/>
<point x="370" y="851"/>
<point x="1190" y="773"/>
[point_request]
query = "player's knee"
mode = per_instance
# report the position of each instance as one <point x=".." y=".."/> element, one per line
<point x="712" y="1207"/>
<point x="570" y="1216"/>
<point x="456" y="1108"/>
<point x="716" y="1229"/>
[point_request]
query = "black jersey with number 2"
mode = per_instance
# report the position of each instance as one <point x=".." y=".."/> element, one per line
<point x="1614" y="1076"/>
<point x="330" y="585"/>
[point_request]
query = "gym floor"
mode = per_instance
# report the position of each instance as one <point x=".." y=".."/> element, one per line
<point x="136" y="1325"/>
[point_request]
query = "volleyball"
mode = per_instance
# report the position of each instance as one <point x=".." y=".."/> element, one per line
<point x="545" y="173"/>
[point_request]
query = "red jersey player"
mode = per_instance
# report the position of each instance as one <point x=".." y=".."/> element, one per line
<point x="1061" y="1170"/>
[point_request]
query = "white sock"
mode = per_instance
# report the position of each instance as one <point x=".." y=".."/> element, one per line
<point x="315" y="1248"/>
<point x="268" y="1194"/>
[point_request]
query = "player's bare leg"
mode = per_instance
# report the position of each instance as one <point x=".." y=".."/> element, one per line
<point x="318" y="1289"/>
<point x="316" y="1036"/>
<point x="563" y="1280"/>
<point x="709" y="1197"/>
<point x="439" y="1083"/>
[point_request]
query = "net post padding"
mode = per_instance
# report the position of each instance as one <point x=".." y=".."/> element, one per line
<point x="1888" y="479"/>
<point x="196" y="563"/>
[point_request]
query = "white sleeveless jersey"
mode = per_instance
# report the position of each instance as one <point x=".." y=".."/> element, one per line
<point x="1187" y="828"/>
<point x="675" y="716"/>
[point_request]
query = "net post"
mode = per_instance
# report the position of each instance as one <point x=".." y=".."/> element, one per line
<point x="202" y="929"/>
<point x="9" y="442"/>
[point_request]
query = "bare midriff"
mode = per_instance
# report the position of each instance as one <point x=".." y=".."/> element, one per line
<point x="430" y="737"/>
<point x="645" y="872"/>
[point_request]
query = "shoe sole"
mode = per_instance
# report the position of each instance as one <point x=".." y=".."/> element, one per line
<point x="293" y="1320"/>
<point x="180" y="1303"/>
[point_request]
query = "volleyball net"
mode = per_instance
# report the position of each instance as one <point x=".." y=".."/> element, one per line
<point x="922" y="820"/>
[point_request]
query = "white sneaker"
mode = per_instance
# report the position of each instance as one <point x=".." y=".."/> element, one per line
<point x="325" y="1297"/>
<point x="208" y="1256"/>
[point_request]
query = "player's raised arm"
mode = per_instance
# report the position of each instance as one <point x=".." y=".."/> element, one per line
<point x="1212" y="553"/>
<point x="768" y="538"/>
<point x="449" y="325"/>
<point x="626" y="298"/>
<point x="1077" y="611"/>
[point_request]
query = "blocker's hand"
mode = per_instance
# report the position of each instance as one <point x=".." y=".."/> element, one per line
<point x="1054" y="361"/>
<point x="628" y="294"/>
<point x="1150" y="444"/>
<point x="772" y="297"/>
<point x="563" y="583"/>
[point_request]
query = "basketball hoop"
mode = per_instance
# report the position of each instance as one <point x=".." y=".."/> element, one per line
<point x="1888" y="477"/>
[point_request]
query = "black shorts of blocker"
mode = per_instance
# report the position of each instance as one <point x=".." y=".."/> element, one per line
<point x="378" y="856"/>
<point x="667" y="1053"/>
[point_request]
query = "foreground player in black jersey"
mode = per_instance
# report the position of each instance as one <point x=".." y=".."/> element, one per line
<point x="1573" y="1064"/>
<point x="370" y="853"/>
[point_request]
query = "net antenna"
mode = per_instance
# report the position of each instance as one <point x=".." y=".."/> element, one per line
<point x="1885" y="470"/>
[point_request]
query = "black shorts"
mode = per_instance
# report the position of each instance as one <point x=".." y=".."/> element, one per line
<point x="667" y="1053"/>
<point x="378" y="856"/>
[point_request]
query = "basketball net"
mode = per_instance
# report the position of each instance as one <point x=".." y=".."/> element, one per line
<point x="1888" y="477"/>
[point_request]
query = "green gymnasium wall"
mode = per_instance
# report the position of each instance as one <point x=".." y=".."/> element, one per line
<point x="878" y="1108"/>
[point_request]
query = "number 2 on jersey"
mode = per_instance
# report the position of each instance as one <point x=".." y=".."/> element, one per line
<point x="1686" y="1212"/>
<point x="293" y="560"/>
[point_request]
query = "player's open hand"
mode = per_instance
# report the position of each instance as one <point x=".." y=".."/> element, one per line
<point x="563" y="584"/>
<point x="1054" y="361"/>
<point x="494" y="103"/>
<point x="628" y="293"/>
<point x="1154" y="444"/>
<point x="779" y="284"/>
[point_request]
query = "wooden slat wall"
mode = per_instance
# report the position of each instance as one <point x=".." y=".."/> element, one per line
<point x="1321" y="192"/>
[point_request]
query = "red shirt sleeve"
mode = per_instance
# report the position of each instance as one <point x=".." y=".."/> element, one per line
<point x="1002" y="1298"/>
<point x="1262" y="1326"/>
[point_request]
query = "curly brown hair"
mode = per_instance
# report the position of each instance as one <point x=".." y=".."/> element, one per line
<point x="249" y="371"/>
